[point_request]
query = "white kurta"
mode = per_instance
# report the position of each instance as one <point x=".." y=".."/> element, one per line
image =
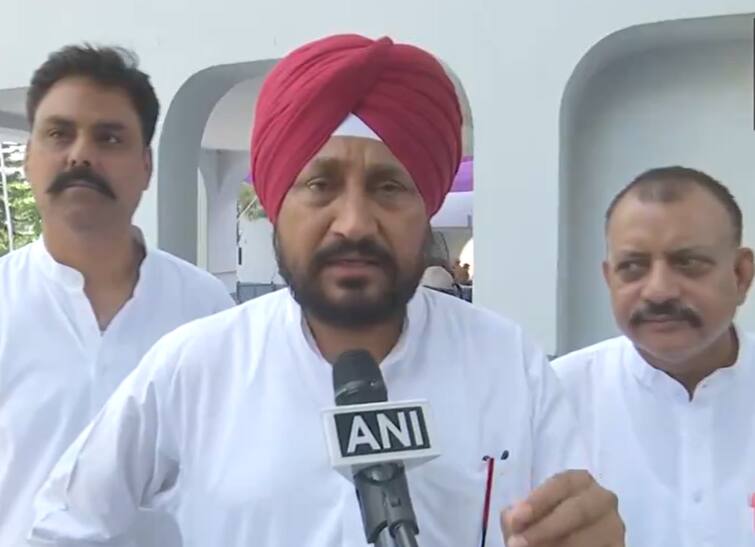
<point x="684" y="470"/>
<point x="224" y="415"/>
<point x="57" y="369"/>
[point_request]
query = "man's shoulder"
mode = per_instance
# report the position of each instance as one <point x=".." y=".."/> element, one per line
<point x="213" y="344"/>
<point x="15" y="268"/>
<point x="167" y="262"/>
<point x="247" y="321"/>
<point x="16" y="258"/>
<point x="208" y="293"/>
<point x="493" y="338"/>
<point x="473" y="317"/>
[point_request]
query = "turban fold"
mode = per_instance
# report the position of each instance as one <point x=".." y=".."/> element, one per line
<point x="401" y="92"/>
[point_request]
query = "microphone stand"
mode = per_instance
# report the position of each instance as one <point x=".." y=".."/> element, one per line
<point x="404" y="538"/>
<point x="386" y="506"/>
<point x="384" y="539"/>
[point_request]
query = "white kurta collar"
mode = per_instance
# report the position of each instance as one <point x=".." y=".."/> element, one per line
<point x="73" y="280"/>
<point x="317" y="372"/>
<point x="416" y="314"/>
<point x="66" y="276"/>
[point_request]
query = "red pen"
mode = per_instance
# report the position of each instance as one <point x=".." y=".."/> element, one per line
<point x="486" y="507"/>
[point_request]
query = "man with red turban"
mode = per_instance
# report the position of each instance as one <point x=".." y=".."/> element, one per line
<point x="355" y="145"/>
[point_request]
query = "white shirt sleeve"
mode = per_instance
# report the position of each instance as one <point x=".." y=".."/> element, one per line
<point x="125" y="460"/>
<point x="557" y="440"/>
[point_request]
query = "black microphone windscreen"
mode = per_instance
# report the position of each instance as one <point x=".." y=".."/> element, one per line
<point x="357" y="379"/>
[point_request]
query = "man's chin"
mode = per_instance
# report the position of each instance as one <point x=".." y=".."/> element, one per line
<point x="669" y="349"/>
<point x="352" y="303"/>
<point x="346" y="293"/>
<point x="352" y="316"/>
<point x="81" y="218"/>
<point x="355" y="304"/>
<point x="352" y="308"/>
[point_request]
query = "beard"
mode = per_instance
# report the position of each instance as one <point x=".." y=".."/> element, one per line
<point x="360" y="307"/>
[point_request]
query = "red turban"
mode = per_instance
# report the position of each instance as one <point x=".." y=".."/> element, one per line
<point x="401" y="92"/>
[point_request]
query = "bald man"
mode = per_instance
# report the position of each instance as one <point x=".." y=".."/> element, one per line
<point x="668" y="407"/>
<point x="354" y="148"/>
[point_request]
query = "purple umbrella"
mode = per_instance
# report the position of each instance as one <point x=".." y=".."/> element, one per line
<point x="464" y="181"/>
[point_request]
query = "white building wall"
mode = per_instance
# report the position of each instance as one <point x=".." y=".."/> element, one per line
<point x="258" y="264"/>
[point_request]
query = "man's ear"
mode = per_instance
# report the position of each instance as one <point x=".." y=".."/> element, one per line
<point x="743" y="269"/>
<point x="148" y="165"/>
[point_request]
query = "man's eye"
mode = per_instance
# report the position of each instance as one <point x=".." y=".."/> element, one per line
<point x="629" y="266"/>
<point x="317" y="185"/>
<point x="689" y="262"/>
<point x="390" y="187"/>
<point x="110" y="138"/>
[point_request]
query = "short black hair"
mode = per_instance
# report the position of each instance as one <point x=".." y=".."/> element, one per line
<point x="668" y="184"/>
<point x="108" y="66"/>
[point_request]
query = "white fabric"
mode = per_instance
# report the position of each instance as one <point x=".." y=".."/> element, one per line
<point x="224" y="415"/>
<point x="353" y="126"/>
<point x="684" y="470"/>
<point x="57" y="368"/>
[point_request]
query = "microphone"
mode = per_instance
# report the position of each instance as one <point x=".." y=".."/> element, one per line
<point x="371" y="439"/>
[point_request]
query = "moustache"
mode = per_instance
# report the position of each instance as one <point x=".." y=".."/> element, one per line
<point x="69" y="178"/>
<point x="365" y="249"/>
<point x="671" y="310"/>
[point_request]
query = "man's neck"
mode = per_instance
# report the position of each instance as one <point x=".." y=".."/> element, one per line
<point x="103" y="258"/>
<point x="720" y="354"/>
<point x="378" y="340"/>
<point x="108" y="261"/>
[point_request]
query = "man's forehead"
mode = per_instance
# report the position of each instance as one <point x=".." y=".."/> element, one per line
<point x="644" y="248"/>
<point x="79" y="98"/>
<point x="105" y="124"/>
<point x="667" y="233"/>
<point x="670" y="236"/>
<point x="695" y="214"/>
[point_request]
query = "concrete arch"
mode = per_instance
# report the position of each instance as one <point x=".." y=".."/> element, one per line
<point x="179" y="151"/>
<point x="13" y="124"/>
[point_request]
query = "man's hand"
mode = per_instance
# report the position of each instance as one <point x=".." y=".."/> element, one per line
<point x="568" y="510"/>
